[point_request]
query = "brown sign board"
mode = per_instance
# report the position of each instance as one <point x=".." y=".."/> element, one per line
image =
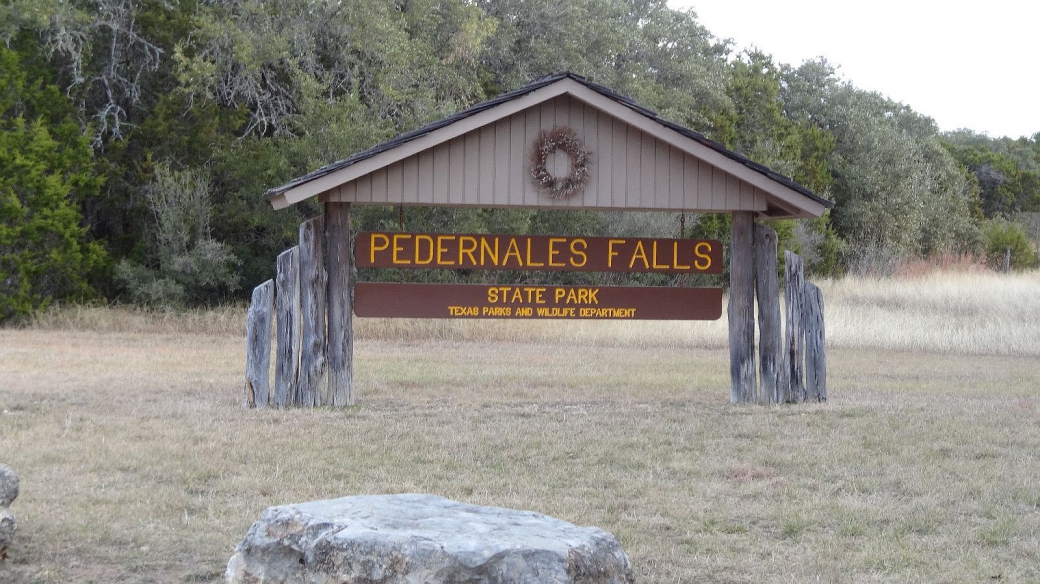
<point x="536" y="252"/>
<point x="521" y="302"/>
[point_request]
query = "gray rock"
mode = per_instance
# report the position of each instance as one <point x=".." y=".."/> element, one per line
<point x="8" y="486"/>
<point x="422" y="539"/>
<point x="8" y="525"/>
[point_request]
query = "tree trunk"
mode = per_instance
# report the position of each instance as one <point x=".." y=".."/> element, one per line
<point x="258" y="346"/>
<point x="742" y="309"/>
<point x="338" y="261"/>
<point x="287" y="313"/>
<point x="815" y="350"/>
<point x="794" y="342"/>
<point x="770" y="337"/>
<point x="312" y="383"/>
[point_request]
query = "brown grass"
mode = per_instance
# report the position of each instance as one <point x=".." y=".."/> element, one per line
<point x="139" y="465"/>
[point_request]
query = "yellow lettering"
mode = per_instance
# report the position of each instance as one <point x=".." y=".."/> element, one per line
<point x="442" y="249"/>
<point x="583" y="296"/>
<point x="492" y="295"/>
<point x="697" y="252"/>
<point x="419" y="260"/>
<point x="656" y="266"/>
<point x="539" y="295"/>
<point x="467" y="252"/>
<point x="373" y="248"/>
<point x="513" y="250"/>
<point x="518" y="295"/>
<point x="397" y="248"/>
<point x="555" y="252"/>
<point x="576" y="252"/>
<point x="486" y="250"/>
<point x="640" y="253"/>
<point x="572" y="297"/>
<point x="675" y="257"/>
<point x="530" y="262"/>
<point x="558" y="294"/>
<point x="592" y="296"/>
<point x="610" y="251"/>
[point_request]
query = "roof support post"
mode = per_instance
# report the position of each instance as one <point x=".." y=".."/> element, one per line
<point x="742" y="309"/>
<point x="338" y="263"/>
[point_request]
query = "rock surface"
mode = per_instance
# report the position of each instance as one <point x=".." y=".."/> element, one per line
<point x="7" y="529"/>
<point x="422" y="539"/>
<point x="8" y="486"/>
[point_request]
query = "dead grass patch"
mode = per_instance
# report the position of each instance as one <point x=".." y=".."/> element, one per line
<point x="138" y="464"/>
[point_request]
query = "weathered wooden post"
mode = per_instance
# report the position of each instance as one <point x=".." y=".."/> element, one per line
<point x="258" y="346"/>
<point x="767" y="286"/>
<point x="815" y="350"/>
<point x="287" y="315"/>
<point x="338" y="262"/>
<point x="794" y="342"/>
<point x="742" y="309"/>
<point x="312" y="387"/>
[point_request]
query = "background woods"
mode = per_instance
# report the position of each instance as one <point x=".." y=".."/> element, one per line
<point x="139" y="136"/>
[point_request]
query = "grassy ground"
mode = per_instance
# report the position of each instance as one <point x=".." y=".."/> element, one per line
<point x="138" y="464"/>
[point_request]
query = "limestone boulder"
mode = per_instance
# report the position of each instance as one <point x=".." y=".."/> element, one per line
<point x="422" y="539"/>
<point x="7" y="529"/>
<point x="8" y="486"/>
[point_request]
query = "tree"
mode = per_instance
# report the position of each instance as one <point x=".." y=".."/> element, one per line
<point x="46" y="169"/>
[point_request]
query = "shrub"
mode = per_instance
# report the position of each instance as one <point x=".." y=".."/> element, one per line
<point x="1000" y="235"/>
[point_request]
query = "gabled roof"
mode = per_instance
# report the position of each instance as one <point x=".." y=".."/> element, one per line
<point x="331" y="176"/>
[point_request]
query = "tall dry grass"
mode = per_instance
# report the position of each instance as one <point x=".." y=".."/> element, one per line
<point x="969" y="311"/>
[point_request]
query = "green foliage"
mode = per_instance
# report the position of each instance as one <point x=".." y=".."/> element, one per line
<point x="190" y="265"/>
<point x="47" y="170"/>
<point x="999" y="236"/>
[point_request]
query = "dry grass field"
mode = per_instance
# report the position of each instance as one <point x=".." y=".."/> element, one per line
<point x="138" y="463"/>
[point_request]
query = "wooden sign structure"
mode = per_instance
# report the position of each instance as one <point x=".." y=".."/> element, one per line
<point x="541" y="253"/>
<point x="560" y="142"/>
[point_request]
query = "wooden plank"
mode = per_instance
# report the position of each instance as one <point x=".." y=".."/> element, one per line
<point x="605" y="161"/>
<point x="619" y="164"/>
<point x="815" y="345"/>
<point x="502" y="158"/>
<point x="531" y="194"/>
<point x="457" y="171"/>
<point x="794" y="339"/>
<point x="395" y="182"/>
<point x="742" y="309"/>
<point x="258" y="346"/>
<point x="441" y="174"/>
<point x="518" y="159"/>
<point x="313" y="384"/>
<point x="486" y="162"/>
<point x="397" y="300"/>
<point x="410" y="177"/>
<point x="770" y="334"/>
<point x="424" y="185"/>
<point x="340" y="326"/>
<point x="287" y="317"/>
<point x="379" y="192"/>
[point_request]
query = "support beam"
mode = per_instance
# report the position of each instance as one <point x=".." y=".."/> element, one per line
<point x="287" y="317"/>
<point x="742" y="309"/>
<point x="794" y="341"/>
<point x="770" y="335"/>
<point x="258" y="346"/>
<point x="313" y="386"/>
<point x="338" y="261"/>
<point x="815" y="349"/>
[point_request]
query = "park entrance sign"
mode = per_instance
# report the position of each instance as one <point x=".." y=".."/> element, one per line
<point x="560" y="142"/>
<point x="540" y="253"/>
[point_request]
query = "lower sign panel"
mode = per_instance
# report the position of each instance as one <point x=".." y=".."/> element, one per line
<point x="519" y="302"/>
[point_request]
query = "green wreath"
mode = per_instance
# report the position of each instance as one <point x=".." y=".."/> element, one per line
<point x="565" y="140"/>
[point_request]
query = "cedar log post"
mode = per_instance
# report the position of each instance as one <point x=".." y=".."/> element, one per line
<point x="313" y="388"/>
<point x="338" y="262"/>
<point x="742" y="309"/>
<point x="287" y="317"/>
<point x="770" y="336"/>
<point x="258" y="346"/>
<point x="815" y="339"/>
<point x="794" y="342"/>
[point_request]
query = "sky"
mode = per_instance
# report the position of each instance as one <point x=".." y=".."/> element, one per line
<point x="974" y="66"/>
